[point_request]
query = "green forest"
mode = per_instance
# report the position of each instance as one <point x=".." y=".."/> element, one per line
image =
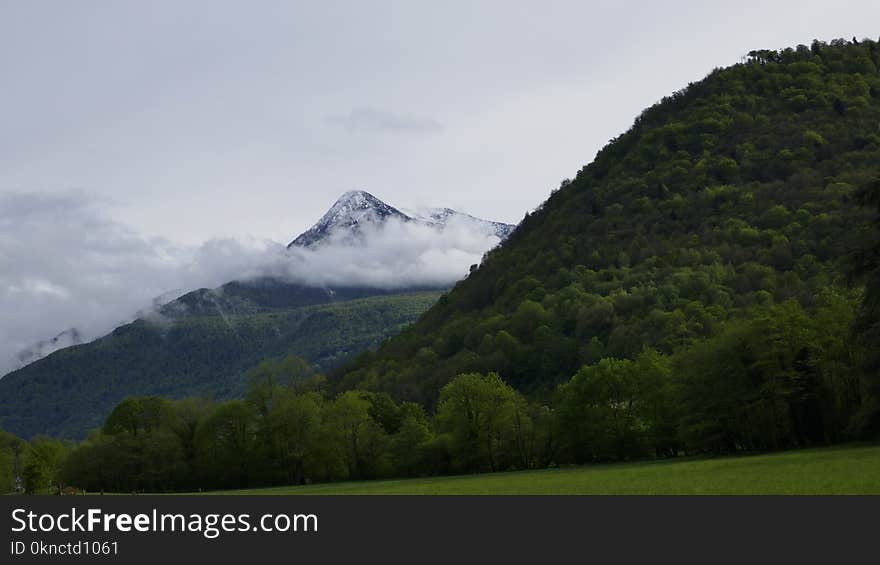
<point x="201" y="344"/>
<point x="709" y="284"/>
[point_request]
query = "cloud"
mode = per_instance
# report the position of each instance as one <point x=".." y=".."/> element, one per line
<point x="374" y="120"/>
<point x="396" y="255"/>
<point x="65" y="263"/>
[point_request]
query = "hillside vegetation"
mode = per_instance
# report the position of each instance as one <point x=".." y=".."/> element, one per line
<point x="717" y="234"/>
<point x="204" y="345"/>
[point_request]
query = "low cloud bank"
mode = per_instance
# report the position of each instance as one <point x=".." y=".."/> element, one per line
<point x="64" y="263"/>
<point x="398" y="255"/>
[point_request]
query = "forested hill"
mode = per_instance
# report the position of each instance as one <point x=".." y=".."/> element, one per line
<point x="728" y="198"/>
<point x="203" y="344"/>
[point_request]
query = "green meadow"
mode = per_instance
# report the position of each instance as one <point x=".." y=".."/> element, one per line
<point x="833" y="470"/>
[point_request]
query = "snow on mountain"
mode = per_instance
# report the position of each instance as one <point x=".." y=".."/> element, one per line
<point x="347" y="216"/>
<point x="445" y="217"/>
<point x="356" y="210"/>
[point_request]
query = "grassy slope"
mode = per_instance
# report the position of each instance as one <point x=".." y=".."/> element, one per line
<point x="838" y="470"/>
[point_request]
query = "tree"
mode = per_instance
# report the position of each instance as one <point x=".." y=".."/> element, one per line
<point x="226" y="442"/>
<point x="182" y="418"/>
<point x="867" y="269"/>
<point x="478" y="412"/>
<point x="10" y="454"/>
<point x="269" y="375"/>
<point x="135" y="415"/>
<point x="295" y="424"/>
<point x="93" y="466"/>
<point x="360" y="441"/>
<point x="411" y="444"/>
<point x="711" y="385"/>
<point x="598" y="411"/>
<point x="656" y="408"/>
<point x="43" y="460"/>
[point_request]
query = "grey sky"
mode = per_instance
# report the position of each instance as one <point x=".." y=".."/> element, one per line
<point x="204" y="119"/>
<point x="148" y="147"/>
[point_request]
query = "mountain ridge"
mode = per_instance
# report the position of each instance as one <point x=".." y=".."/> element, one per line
<point x="356" y="210"/>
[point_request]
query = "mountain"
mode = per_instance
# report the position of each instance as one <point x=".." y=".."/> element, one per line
<point x="730" y="205"/>
<point x="447" y="217"/>
<point x="358" y="210"/>
<point x="206" y="351"/>
<point x="348" y="217"/>
<point x="205" y="341"/>
<point x="259" y="296"/>
<point x="344" y="222"/>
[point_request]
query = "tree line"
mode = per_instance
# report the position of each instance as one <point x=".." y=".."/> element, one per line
<point x="784" y="378"/>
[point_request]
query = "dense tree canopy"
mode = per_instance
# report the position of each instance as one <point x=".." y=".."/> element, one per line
<point x="195" y="351"/>
<point x="735" y="194"/>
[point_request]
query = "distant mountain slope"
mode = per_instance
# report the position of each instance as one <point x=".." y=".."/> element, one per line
<point x="73" y="390"/>
<point x="204" y="341"/>
<point x="737" y="191"/>
<point x="349" y="222"/>
<point x="259" y="296"/>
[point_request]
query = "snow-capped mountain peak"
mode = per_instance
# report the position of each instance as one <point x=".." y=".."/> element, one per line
<point x="348" y="215"/>
<point x="357" y="209"/>
<point x="355" y="205"/>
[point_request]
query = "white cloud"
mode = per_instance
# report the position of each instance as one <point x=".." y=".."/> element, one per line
<point x="65" y="264"/>
<point x="395" y="256"/>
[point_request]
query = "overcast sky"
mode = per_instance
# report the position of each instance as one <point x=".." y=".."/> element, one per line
<point x="204" y="119"/>
<point x="155" y="146"/>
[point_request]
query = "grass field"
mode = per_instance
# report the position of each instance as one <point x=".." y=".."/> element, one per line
<point x="834" y="470"/>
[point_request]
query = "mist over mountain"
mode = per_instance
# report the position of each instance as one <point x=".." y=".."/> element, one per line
<point x="45" y="347"/>
<point x="357" y="213"/>
<point x="362" y="241"/>
<point x="91" y="274"/>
